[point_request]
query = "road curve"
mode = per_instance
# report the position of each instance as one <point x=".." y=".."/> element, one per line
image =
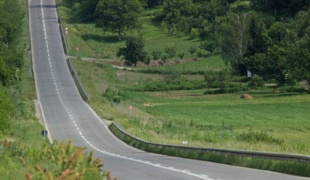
<point x="67" y="116"/>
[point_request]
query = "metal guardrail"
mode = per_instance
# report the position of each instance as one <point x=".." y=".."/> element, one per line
<point x="73" y="72"/>
<point x="252" y="154"/>
<point x="77" y="80"/>
<point x="63" y="37"/>
<point x="28" y="42"/>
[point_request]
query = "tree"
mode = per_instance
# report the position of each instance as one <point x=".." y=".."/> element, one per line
<point x="118" y="16"/>
<point x="153" y="3"/>
<point x="258" y="42"/>
<point x="273" y="64"/>
<point x="87" y="10"/>
<point x="133" y="52"/>
<point x="175" y="14"/>
<point x="10" y="23"/>
<point x="234" y="40"/>
<point x="299" y="60"/>
<point x="208" y="46"/>
<point x="300" y="65"/>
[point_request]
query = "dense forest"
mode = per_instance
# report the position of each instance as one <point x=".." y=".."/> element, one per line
<point x="270" y="38"/>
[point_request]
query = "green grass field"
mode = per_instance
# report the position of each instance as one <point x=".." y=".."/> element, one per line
<point x="274" y="122"/>
<point x="95" y="43"/>
<point x="219" y="121"/>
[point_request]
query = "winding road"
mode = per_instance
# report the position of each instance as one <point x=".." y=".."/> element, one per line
<point x="67" y="116"/>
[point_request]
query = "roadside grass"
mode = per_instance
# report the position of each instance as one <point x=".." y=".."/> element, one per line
<point x="282" y="166"/>
<point x="25" y="129"/>
<point x="23" y="151"/>
<point x="220" y="121"/>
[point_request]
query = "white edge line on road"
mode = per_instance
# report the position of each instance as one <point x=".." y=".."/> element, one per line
<point x="91" y="145"/>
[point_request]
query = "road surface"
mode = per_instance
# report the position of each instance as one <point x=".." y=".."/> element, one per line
<point x="67" y="116"/>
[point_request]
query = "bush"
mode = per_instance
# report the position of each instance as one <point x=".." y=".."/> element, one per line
<point x="4" y="110"/>
<point x="156" y="54"/>
<point x="192" y="50"/>
<point x="180" y="84"/>
<point x="200" y="54"/>
<point x="293" y="89"/>
<point x="171" y="52"/>
<point x="217" y="79"/>
<point x="255" y="137"/>
<point x="240" y="79"/>
<point x="256" y="82"/>
<point x="181" y="55"/>
<point x="114" y="95"/>
<point x="53" y="161"/>
<point x="163" y="71"/>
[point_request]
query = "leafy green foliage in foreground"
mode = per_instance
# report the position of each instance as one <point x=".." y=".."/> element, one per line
<point x="52" y="161"/>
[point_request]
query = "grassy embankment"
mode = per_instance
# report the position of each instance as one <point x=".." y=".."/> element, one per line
<point x="24" y="154"/>
<point x="24" y="127"/>
<point x="274" y="122"/>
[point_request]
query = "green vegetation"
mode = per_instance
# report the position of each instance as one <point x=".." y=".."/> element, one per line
<point x="191" y="89"/>
<point x="295" y="168"/>
<point x="222" y="121"/>
<point x="23" y="151"/>
<point x="55" y="161"/>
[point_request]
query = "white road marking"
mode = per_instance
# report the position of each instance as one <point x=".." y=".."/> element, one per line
<point x="201" y="176"/>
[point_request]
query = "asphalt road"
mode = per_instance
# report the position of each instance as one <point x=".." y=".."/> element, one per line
<point x="67" y="116"/>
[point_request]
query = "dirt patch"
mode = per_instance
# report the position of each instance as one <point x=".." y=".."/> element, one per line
<point x="246" y="96"/>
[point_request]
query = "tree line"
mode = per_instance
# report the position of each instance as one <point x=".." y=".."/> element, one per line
<point x="270" y="38"/>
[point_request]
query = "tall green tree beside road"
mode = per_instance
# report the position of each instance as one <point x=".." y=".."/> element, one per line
<point x="118" y="16"/>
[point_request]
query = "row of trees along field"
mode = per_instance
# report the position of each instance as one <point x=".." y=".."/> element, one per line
<point x="270" y="38"/>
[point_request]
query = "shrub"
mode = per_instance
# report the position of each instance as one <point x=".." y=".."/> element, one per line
<point x="194" y="33"/>
<point x="217" y="79"/>
<point x="53" y="161"/>
<point x="200" y="54"/>
<point x="256" y="82"/>
<point x="114" y="95"/>
<point x="262" y="136"/>
<point x="4" y="110"/>
<point x="192" y="50"/>
<point x="156" y="54"/>
<point x="171" y="52"/>
<point x="181" y="55"/>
